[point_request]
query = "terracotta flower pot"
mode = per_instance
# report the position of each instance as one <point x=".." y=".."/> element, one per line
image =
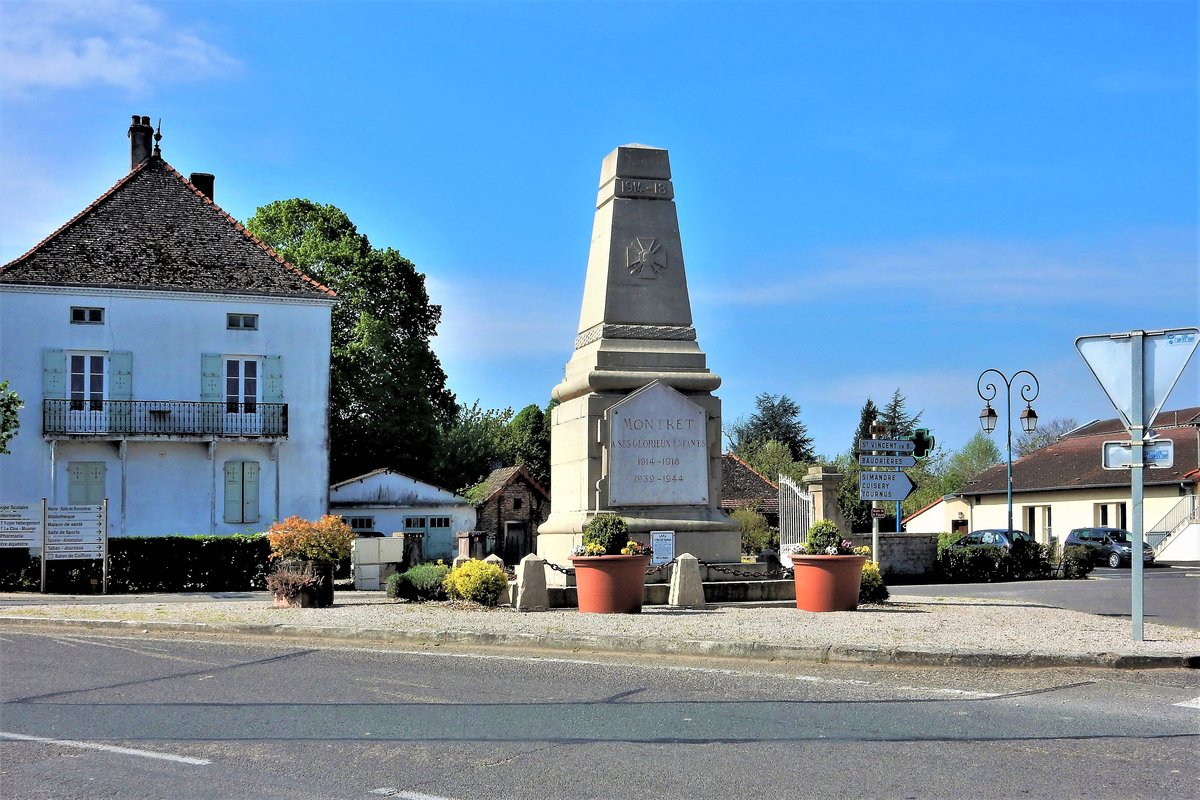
<point x="827" y="583"/>
<point x="610" y="584"/>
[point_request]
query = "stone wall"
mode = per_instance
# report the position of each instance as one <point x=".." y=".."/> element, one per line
<point x="518" y="502"/>
<point x="906" y="554"/>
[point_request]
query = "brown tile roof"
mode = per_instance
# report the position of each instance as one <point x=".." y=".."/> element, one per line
<point x="1074" y="462"/>
<point x="495" y="483"/>
<point x="155" y="230"/>
<point x="742" y="485"/>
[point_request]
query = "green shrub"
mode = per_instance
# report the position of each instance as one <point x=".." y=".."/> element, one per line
<point x="1077" y="562"/>
<point x="822" y="535"/>
<point x="872" y="589"/>
<point x="422" y="582"/>
<point x="1028" y="561"/>
<point x="757" y="535"/>
<point x="988" y="563"/>
<point x="606" y="532"/>
<point x="478" y="581"/>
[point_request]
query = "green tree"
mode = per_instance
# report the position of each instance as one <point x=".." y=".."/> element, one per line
<point x="10" y="422"/>
<point x="979" y="453"/>
<point x="777" y="418"/>
<point x="388" y="396"/>
<point x="899" y="423"/>
<point x="857" y="512"/>
<point x="769" y="458"/>
<point x="474" y="445"/>
<point x="528" y="444"/>
<point x="1046" y="433"/>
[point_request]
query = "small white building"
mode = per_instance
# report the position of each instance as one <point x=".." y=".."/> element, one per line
<point x="389" y="502"/>
<point x="169" y="362"/>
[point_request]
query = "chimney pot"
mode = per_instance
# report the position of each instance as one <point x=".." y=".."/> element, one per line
<point x="204" y="182"/>
<point x="141" y="137"/>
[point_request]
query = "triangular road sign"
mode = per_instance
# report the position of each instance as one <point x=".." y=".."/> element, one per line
<point x="1164" y="355"/>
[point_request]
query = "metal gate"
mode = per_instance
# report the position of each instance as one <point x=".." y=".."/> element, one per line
<point x="796" y="514"/>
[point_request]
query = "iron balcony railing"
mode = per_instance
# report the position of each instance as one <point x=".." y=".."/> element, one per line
<point x="155" y="418"/>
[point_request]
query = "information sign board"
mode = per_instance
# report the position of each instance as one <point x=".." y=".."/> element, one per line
<point x="20" y="525"/>
<point x="891" y="445"/>
<point x="74" y="532"/>
<point x="663" y="543"/>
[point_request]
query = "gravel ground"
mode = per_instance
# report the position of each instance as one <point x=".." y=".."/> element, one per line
<point x="912" y="623"/>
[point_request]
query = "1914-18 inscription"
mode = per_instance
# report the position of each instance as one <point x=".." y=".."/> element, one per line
<point x="658" y="450"/>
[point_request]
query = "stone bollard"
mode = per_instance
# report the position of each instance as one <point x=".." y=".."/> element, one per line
<point x="459" y="561"/>
<point x="687" y="590"/>
<point x="531" y="592"/>
<point x="495" y="559"/>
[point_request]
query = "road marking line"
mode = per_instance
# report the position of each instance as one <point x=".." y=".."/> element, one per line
<point x="388" y="791"/>
<point x="108" y="748"/>
<point x="1193" y="703"/>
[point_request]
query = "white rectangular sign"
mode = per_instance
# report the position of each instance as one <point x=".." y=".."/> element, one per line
<point x="20" y="525"/>
<point x="867" y="460"/>
<point x="663" y="543"/>
<point x="1156" y="454"/>
<point x="895" y="445"/>
<point x="74" y="532"/>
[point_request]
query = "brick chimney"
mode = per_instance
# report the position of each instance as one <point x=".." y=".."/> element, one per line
<point x="204" y="182"/>
<point x="141" y="140"/>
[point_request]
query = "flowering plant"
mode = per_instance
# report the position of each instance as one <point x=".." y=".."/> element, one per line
<point x="326" y="540"/>
<point x="631" y="548"/>
<point x="824" y="539"/>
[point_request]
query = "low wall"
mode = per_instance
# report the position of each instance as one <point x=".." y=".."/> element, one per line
<point x="908" y="554"/>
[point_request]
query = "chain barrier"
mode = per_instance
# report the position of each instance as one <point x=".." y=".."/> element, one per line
<point x="659" y="568"/>
<point x="783" y="572"/>
<point x="557" y="568"/>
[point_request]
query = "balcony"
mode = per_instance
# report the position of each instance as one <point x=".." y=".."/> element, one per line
<point x="162" y="419"/>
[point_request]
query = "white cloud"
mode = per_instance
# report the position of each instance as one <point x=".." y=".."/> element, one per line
<point x="70" y="45"/>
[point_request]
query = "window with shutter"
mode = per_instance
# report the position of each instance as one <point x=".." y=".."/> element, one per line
<point x="241" y="491"/>
<point x="85" y="483"/>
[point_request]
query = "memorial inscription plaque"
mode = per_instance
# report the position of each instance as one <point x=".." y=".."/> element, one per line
<point x="658" y="450"/>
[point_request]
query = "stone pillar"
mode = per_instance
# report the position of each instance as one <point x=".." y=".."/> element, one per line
<point x="637" y="431"/>
<point x="687" y="589"/>
<point x="823" y="485"/>
<point x="531" y="593"/>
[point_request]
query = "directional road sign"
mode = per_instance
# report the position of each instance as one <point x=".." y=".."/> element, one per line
<point x="20" y="525"/>
<point x="890" y="486"/>
<point x="1157" y="454"/>
<point x="867" y="460"/>
<point x="893" y="445"/>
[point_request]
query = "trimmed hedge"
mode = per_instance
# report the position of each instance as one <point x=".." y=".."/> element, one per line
<point x="422" y="582"/>
<point x="149" y="564"/>
<point x="987" y="563"/>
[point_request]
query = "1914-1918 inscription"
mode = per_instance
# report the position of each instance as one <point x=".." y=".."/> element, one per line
<point x="658" y="450"/>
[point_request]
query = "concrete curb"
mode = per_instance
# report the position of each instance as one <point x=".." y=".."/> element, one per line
<point x="750" y="651"/>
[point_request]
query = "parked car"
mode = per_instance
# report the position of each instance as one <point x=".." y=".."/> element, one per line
<point x="996" y="537"/>
<point x="1112" y="546"/>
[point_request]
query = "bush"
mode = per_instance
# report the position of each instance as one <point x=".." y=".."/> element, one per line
<point x="422" y="582"/>
<point x="289" y="583"/>
<point x="872" y="589"/>
<point x="606" y="533"/>
<point x="1077" y="562"/>
<point x="822" y="535"/>
<point x="757" y="535"/>
<point x="988" y="563"/>
<point x="326" y="541"/>
<point x="478" y="581"/>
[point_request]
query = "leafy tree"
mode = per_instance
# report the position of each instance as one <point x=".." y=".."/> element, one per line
<point x="777" y="418"/>
<point x="388" y="395"/>
<point x="10" y="423"/>
<point x="900" y="425"/>
<point x="769" y="458"/>
<point x="857" y="512"/>
<point x="979" y="453"/>
<point x="1046" y="433"/>
<point x="528" y="443"/>
<point x="474" y="445"/>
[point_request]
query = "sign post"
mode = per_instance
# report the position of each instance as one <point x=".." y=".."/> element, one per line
<point x="73" y="533"/>
<point x="1138" y="370"/>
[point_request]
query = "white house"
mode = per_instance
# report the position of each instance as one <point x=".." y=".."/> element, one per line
<point x="168" y="361"/>
<point x="1064" y="486"/>
<point x="389" y="502"/>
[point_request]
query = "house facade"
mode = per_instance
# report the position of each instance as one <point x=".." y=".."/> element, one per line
<point x="1064" y="486"/>
<point x="742" y="486"/>
<point x="389" y="502"/>
<point x="169" y="362"/>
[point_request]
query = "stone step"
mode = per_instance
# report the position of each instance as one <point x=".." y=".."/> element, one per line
<point x="724" y="591"/>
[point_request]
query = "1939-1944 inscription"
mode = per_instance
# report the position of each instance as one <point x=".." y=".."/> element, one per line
<point x="658" y="450"/>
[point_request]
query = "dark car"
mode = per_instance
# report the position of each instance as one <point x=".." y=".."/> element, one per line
<point x="1112" y="546"/>
<point x="995" y="537"/>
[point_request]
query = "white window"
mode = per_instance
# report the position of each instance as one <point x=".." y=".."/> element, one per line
<point x="439" y="522"/>
<point x="87" y="315"/>
<point x="86" y="381"/>
<point x="360" y="523"/>
<point x="241" y="385"/>
<point x="241" y="322"/>
<point x="414" y="523"/>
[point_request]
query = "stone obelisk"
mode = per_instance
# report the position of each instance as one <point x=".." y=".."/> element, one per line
<point x="637" y="431"/>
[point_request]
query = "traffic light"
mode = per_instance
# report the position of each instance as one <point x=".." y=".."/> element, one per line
<point x="924" y="442"/>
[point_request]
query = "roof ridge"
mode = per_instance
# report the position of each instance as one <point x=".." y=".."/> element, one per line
<point x="741" y="461"/>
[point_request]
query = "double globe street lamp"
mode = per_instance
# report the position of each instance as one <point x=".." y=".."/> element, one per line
<point x="987" y="417"/>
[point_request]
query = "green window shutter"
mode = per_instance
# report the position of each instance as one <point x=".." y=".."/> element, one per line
<point x="120" y="375"/>
<point x="272" y="390"/>
<point x="211" y="386"/>
<point x="233" y="491"/>
<point x="85" y="483"/>
<point x="54" y="374"/>
<point x="249" y="491"/>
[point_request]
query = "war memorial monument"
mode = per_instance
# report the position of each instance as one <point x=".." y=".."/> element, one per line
<point x="637" y="431"/>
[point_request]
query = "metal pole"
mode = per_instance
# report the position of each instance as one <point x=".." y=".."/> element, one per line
<point x="989" y="392"/>
<point x="1008" y="429"/>
<point x="43" y="545"/>
<point x="874" y="519"/>
<point x="104" y="547"/>
<point x="1137" y="476"/>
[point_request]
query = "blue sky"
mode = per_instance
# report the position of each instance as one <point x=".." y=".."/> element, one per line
<point x="871" y="195"/>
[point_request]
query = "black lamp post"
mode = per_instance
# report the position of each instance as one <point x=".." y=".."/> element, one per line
<point x="987" y="417"/>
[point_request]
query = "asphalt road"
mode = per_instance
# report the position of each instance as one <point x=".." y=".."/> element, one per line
<point x="87" y="716"/>
<point x="1171" y="595"/>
